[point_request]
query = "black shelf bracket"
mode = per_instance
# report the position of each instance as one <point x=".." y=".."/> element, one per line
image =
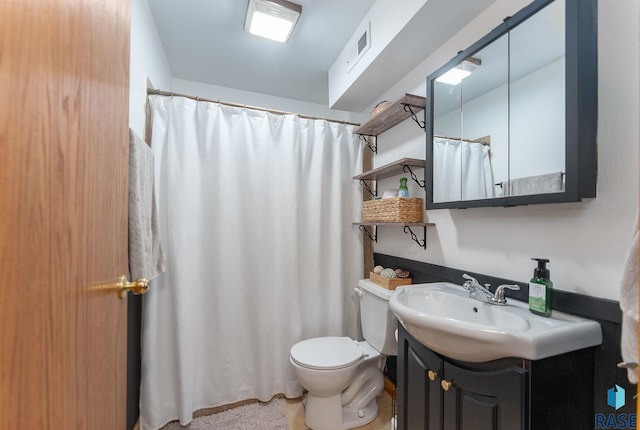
<point x="370" y="142"/>
<point x="407" y="108"/>
<point x="407" y="169"/>
<point x="423" y="242"/>
<point x="365" y="230"/>
<point x="373" y="191"/>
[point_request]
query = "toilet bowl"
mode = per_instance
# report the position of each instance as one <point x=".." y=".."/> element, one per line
<point x="342" y="376"/>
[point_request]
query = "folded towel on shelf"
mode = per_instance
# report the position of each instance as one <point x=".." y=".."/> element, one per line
<point x="146" y="256"/>
<point x="629" y="307"/>
<point x="540" y="184"/>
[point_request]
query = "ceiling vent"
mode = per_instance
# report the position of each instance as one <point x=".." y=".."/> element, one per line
<point x="361" y="46"/>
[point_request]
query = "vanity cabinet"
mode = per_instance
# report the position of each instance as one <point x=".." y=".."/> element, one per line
<point x="435" y="392"/>
<point x="484" y="400"/>
<point x="420" y="398"/>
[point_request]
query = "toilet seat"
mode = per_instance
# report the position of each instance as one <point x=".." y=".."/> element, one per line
<point x="326" y="353"/>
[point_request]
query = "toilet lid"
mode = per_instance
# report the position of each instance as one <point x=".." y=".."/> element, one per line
<point x="326" y="352"/>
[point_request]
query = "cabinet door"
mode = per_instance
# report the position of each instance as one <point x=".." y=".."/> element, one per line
<point x="419" y="398"/>
<point x="486" y="400"/>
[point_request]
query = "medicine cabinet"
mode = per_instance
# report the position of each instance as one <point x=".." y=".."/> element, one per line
<point x="511" y="120"/>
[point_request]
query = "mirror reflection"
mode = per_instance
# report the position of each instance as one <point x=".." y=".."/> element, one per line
<point x="537" y="104"/>
<point x="499" y="115"/>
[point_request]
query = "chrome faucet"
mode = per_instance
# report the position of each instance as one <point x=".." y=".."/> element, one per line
<point x="483" y="294"/>
<point x="476" y="290"/>
<point x="499" y="298"/>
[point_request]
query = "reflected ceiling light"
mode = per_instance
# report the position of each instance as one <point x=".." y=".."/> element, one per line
<point x="273" y="19"/>
<point x="455" y="75"/>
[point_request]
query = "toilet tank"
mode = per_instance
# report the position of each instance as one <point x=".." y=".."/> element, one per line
<point x="379" y="324"/>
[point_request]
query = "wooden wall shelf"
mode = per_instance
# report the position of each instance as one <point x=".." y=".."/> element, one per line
<point x="391" y="169"/>
<point x="392" y="115"/>
<point x="406" y="107"/>
<point x="400" y="224"/>
<point x="406" y="227"/>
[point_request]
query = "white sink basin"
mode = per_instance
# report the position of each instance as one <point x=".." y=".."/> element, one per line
<point x="442" y="317"/>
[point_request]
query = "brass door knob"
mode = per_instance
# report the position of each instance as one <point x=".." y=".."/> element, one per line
<point x="139" y="286"/>
<point x="446" y="385"/>
<point x="432" y="375"/>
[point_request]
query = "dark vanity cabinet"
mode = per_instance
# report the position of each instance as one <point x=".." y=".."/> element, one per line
<point x="419" y="398"/>
<point x="485" y="400"/>
<point x="437" y="393"/>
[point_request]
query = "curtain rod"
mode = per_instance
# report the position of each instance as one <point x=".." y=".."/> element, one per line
<point x="151" y="91"/>
<point x="486" y="140"/>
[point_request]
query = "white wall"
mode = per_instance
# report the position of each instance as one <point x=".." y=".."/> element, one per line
<point x="587" y="241"/>
<point x="536" y="146"/>
<point x="148" y="60"/>
<point x="342" y="73"/>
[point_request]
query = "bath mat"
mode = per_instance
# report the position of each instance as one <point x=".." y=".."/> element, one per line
<point x="254" y="416"/>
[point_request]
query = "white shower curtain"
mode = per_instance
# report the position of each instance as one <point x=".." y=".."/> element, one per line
<point x="255" y="212"/>
<point x="462" y="170"/>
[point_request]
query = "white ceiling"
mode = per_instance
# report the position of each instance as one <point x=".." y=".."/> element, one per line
<point x="205" y="42"/>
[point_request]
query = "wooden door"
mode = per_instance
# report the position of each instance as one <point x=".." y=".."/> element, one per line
<point x="64" y="70"/>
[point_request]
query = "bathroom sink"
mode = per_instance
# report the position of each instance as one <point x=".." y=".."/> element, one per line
<point x="442" y="317"/>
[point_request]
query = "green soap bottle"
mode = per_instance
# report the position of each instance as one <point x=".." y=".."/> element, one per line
<point x="540" y="289"/>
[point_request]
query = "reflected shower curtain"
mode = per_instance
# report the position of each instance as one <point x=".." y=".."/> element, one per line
<point x="255" y="212"/>
<point x="462" y="170"/>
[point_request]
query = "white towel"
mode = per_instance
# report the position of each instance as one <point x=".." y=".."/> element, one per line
<point x="146" y="257"/>
<point x="629" y="307"/>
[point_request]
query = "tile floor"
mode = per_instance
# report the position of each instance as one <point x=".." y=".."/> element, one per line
<point x="294" y="412"/>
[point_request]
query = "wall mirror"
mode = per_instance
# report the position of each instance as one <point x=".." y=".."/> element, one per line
<point x="512" y="119"/>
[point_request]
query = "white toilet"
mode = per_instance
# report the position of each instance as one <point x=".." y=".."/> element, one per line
<point x="343" y="377"/>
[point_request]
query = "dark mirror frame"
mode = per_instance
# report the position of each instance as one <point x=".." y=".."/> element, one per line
<point x="581" y="106"/>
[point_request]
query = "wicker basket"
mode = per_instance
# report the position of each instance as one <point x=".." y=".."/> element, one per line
<point x="396" y="209"/>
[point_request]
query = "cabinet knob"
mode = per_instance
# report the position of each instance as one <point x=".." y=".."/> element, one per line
<point x="432" y="375"/>
<point x="446" y="384"/>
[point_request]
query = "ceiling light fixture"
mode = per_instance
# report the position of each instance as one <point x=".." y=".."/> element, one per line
<point x="273" y="19"/>
<point x="455" y="75"/>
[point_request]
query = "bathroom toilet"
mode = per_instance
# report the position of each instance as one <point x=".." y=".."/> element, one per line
<point x="342" y="376"/>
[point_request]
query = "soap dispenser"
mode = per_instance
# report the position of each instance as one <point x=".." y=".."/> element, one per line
<point x="540" y="289"/>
